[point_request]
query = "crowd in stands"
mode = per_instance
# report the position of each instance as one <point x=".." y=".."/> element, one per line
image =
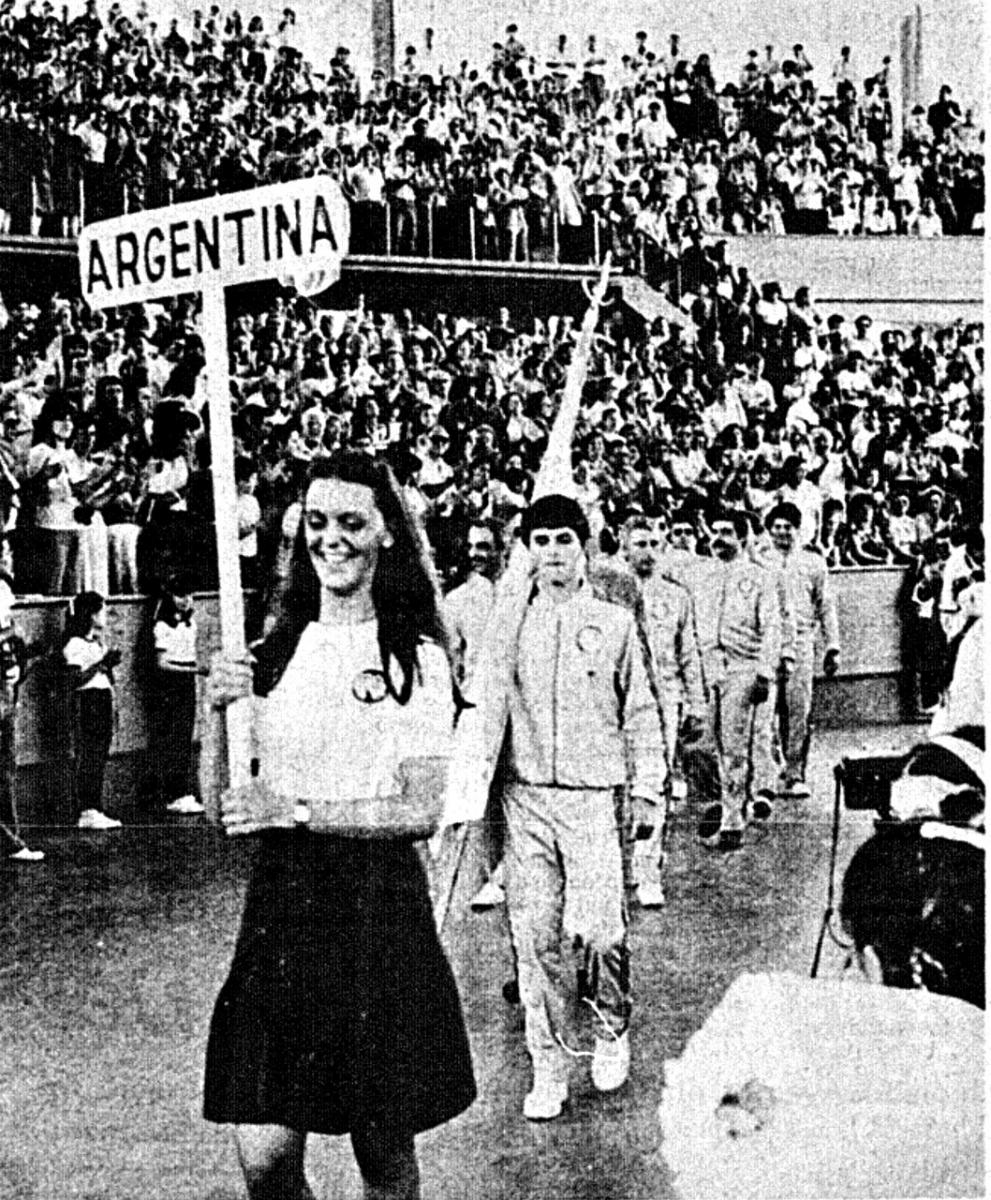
<point x="875" y="435"/>
<point x="525" y="156"/>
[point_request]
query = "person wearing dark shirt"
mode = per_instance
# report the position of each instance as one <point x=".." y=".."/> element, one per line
<point x="944" y="114"/>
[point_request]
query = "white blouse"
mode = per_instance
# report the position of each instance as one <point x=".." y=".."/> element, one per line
<point x="329" y="731"/>
<point x="84" y="652"/>
<point x="176" y="643"/>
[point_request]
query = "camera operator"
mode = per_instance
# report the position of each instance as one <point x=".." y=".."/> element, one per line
<point x="923" y="926"/>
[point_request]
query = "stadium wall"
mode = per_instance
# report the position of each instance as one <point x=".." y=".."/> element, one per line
<point x="866" y="691"/>
<point x="898" y="279"/>
<point x="902" y="280"/>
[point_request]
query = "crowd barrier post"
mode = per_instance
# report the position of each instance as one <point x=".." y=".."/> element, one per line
<point x="388" y="229"/>
<point x="555" y="243"/>
<point x="431" y="212"/>
<point x="471" y="233"/>
<point x="596" y="238"/>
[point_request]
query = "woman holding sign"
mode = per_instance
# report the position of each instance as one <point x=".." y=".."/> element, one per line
<point x="340" y="1013"/>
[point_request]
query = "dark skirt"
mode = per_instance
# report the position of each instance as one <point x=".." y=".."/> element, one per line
<point x="340" y="1008"/>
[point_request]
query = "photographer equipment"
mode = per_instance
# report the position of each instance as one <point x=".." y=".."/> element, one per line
<point x="863" y="784"/>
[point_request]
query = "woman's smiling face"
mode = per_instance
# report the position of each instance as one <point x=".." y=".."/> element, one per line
<point x="345" y="531"/>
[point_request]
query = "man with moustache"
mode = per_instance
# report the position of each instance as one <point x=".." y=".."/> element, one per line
<point x="677" y="669"/>
<point x="580" y="710"/>
<point x="739" y="624"/>
<point x="810" y="603"/>
<point x="467" y="609"/>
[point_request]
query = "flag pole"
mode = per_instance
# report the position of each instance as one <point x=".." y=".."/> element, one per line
<point x="476" y="753"/>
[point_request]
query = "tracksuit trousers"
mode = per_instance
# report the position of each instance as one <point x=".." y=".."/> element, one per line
<point x="567" y="911"/>
<point x="737" y="731"/>
<point x="648" y="853"/>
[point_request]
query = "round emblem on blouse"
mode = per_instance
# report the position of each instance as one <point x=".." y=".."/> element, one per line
<point x="747" y="587"/>
<point x="589" y="639"/>
<point x="369" y="687"/>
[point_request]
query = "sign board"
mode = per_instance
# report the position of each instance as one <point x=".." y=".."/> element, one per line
<point x="295" y="231"/>
<point x="285" y="229"/>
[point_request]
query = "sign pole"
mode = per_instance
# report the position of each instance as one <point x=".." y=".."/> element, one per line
<point x="299" y="230"/>
<point x="232" y="641"/>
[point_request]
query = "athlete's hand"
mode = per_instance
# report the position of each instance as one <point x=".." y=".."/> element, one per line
<point x="252" y="808"/>
<point x="831" y="663"/>
<point x="692" y="728"/>
<point x="761" y="690"/>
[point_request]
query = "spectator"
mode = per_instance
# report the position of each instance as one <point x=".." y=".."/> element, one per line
<point x="91" y="665"/>
<point x="54" y="471"/>
<point x="173" y="699"/>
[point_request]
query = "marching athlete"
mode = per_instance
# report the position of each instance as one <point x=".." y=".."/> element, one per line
<point x="580" y="706"/>
<point x="677" y="670"/>
<point x="739" y="628"/>
<point x="812" y="609"/>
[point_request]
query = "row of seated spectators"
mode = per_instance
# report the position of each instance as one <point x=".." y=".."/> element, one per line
<point x="105" y="480"/>
<point x="512" y="159"/>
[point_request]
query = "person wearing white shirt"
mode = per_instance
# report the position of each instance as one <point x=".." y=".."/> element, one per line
<point x="796" y="489"/>
<point x="55" y="470"/>
<point x="91" y="665"/>
<point x="928" y="223"/>
<point x="249" y="515"/>
<point x="340" y="1012"/>
<point x="173" y="707"/>
<point x="467" y="609"/>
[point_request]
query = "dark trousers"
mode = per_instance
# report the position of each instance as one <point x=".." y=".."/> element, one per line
<point x="10" y="839"/>
<point x="173" y="717"/>
<point x="94" y="731"/>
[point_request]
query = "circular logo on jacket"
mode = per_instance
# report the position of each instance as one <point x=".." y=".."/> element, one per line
<point x="369" y="687"/>
<point x="658" y="610"/>
<point x="589" y="639"/>
<point x="747" y="586"/>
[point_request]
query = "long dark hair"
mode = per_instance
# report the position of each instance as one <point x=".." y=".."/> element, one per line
<point x="405" y="591"/>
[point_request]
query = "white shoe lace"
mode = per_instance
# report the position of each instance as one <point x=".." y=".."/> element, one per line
<point x="605" y="1024"/>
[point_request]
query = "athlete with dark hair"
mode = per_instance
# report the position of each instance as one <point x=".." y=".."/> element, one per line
<point x="580" y="710"/>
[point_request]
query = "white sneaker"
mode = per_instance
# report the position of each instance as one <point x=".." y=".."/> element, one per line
<point x="651" y="895"/>
<point x="185" y="806"/>
<point x="490" y="895"/>
<point x="549" y="1094"/>
<point x="796" y="789"/>
<point x="92" y="818"/>
<point x="26" y="854"/>
<point x="611" y="1062"/>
